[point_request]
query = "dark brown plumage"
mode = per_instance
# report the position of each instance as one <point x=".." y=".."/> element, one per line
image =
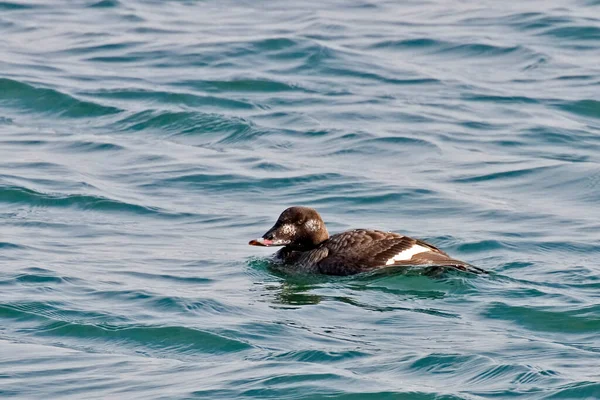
<point x="309" y="248"/>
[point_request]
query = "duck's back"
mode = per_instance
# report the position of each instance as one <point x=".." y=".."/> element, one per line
<point x="362" y="250"/>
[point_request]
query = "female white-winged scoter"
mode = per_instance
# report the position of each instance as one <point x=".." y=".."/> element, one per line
<point x="309" y="248"/>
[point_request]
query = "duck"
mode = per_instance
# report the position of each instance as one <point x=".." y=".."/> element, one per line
<point x="308" y="247"/>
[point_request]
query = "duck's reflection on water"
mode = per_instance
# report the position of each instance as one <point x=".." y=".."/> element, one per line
<point x="381" y="291"/>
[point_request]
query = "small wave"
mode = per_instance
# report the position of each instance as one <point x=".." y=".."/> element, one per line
<point x="586" y="108"/>
<point x="240" y="85"/>
<point x="10" y="6"/>
<point x="275" y="43"/>
<point x="417" y="43"/>
<point x="173" y="305"/>
<point x="500" y="99"/>
<point x="536" y="20"/>
<point x="557" y="136"/>
<point x="398" y="142"/>
<point x="357" y="199"/>
<point x="522" y="374"/>
<point x="59" y="322"/>
<point x="261" y="165"/>
<point x="318" y="356"/>
<point x="576" y="390"/>
<point x="440" y="47"/>
<point x="277" y="49"/>
<point x="101" y="48"/>
<point x="244" y="183"/>
<point x="106" y="4"/>
<point x="37" y="279"/>
<point x="367" y="73"/>
<point x="36" y="276"/>
<point x="28" y="97"/>
<point x="482" y="246"/>
<point x="21" y="195"/>
<point x="161" y="97"/>
<point x="205" y="128"/>
<point x="576" y="33"/>
<point x="576" y="321"/>
<point x="49" y="312"/>
<point x="165" y="338"/>
<point x="192" y="280"/>
<point x="437" y="363"/>
<point x="505" y="175"/>
<point x="92" y="146"/>
<point x="10" y="246"/>
<point x="361" y="143"/>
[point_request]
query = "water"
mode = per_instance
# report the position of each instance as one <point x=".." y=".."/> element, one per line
<point x="143" y="143"/>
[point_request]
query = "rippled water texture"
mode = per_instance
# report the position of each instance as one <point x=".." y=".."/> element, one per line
<point x="144" y="142"/>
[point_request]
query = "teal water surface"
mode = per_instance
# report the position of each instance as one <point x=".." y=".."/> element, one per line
<point x="144" y="142"/>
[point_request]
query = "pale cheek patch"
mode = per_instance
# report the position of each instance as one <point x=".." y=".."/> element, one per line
<point x="312" y="225"/>
<point x="288" y="229"/>
<point x="407" y="254"/>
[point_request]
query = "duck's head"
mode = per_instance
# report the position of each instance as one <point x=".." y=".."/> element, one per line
<point x="300" y="228"/>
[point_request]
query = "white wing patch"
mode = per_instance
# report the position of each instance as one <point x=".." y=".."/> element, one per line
<point x="407" y="254"/>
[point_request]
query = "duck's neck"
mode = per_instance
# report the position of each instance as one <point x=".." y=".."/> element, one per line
<point x="309" y="242"/>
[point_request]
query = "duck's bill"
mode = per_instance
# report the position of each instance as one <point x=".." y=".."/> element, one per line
<point x="267" y="242"/>
<point x="260" y="242"/>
